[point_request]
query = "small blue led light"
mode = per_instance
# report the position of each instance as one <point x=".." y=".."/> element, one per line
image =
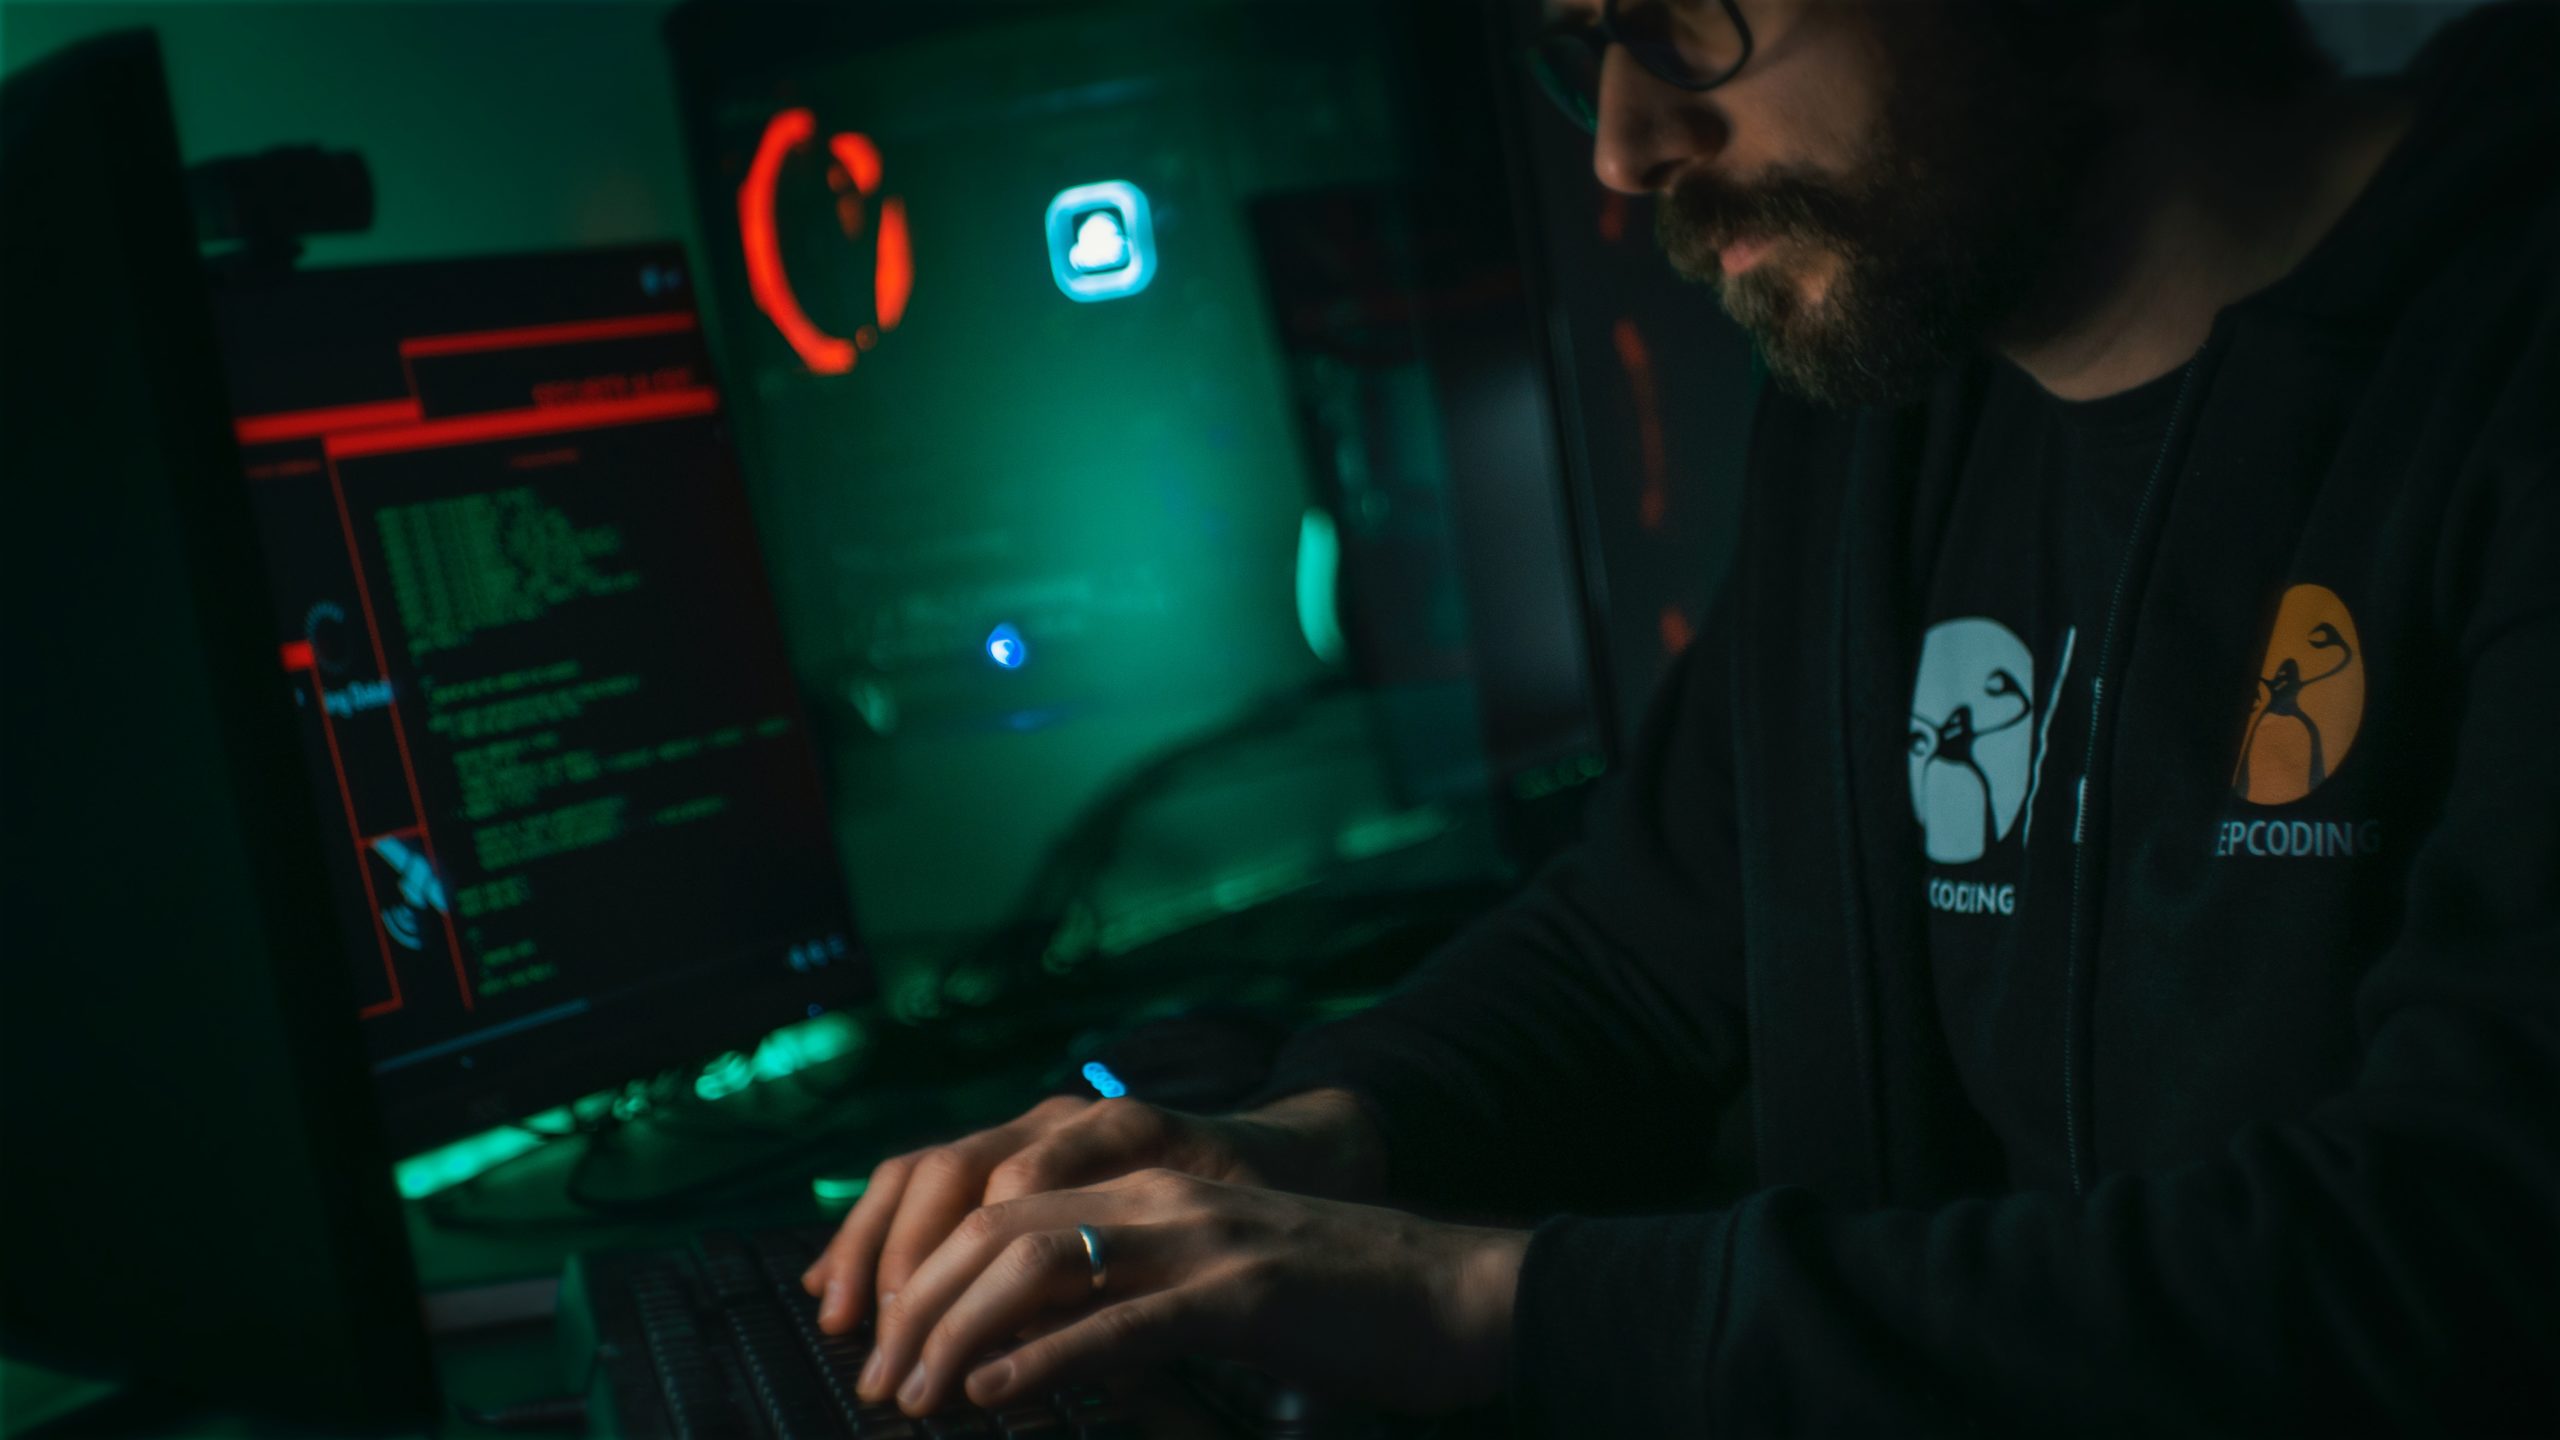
<point x="1099" y="1076"/>
<point x="1005" y="647"/>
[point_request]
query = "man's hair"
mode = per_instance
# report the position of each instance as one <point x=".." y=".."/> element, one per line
<point x="2231" y="49"/>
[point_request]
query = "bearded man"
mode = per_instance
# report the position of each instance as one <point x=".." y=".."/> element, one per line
<point x="2098" y="868"/>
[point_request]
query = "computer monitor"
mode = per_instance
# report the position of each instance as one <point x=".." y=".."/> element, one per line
<point x="1113" y="371"/>
<point x="573" y="820"/>
<point x="194" y="1193"/>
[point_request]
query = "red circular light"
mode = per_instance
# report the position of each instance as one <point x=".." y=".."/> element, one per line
<point x="893" y="279"/>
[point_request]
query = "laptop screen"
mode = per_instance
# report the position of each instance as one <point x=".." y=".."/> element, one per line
<point x="568" y="791"/>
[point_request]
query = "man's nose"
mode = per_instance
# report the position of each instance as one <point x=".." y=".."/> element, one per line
<point x="1649" y="131"/>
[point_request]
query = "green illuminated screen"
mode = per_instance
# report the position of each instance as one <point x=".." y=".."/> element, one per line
<point x="1155" y="490"/>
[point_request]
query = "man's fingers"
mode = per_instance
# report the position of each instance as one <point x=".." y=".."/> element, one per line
<point x="944" y="1187"/>
<point x="1108" y="1138"/>
<point x="871" y="1209"/>
<point x="1034" y="1275"/>
<point x="973" y="1247"/>
<point x="1114" y="1340"/>
<point x="893" y="1227"/>
<point x="930" y="1288"/>
<point x="878" y="1198"/>
<point x="842" y="1277"/>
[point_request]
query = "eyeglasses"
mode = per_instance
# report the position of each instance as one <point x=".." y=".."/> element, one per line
<point x="1692" y="44"/>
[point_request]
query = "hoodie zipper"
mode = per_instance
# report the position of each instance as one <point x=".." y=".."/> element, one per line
<point x="2081" y="848"/>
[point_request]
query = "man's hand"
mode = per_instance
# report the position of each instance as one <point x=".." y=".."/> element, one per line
<point x="1318" y="1142"/>
<point x="1360" y="1302"/>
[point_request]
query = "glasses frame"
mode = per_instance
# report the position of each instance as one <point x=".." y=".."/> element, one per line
<point x="1599" y="37"/>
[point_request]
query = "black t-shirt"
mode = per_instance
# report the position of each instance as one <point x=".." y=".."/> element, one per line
<point x="1999" y="732"/>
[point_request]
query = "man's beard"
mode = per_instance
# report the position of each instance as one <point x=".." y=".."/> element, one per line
<point x="1941" y="234"/>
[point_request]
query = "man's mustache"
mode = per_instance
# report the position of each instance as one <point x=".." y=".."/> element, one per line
<point x="1705" y="213"/>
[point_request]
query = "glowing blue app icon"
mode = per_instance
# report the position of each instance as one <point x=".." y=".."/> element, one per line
<point x="1102" y="241"/>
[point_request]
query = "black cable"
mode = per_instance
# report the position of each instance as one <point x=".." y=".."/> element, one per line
<point x="1087" y="848"/>
<point x="652" y="1102"/>
<point x="554" y="1412"/>
<point x="683" y="1198"/>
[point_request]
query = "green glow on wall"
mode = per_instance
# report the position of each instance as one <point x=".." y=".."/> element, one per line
<point x="568" y="137"/>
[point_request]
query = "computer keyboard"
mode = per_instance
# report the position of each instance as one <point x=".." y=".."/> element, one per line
<point x="717" y="1341"/>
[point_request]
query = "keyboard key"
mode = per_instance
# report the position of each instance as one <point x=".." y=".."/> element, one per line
<point x="1080" y="1399"/>
<point x="729" y="1265"/>
<point x="784" y="1255"/>
<point x="794" y="1400"/>
<point x="883" y="1422"/>
<point x="736" y="1350"/>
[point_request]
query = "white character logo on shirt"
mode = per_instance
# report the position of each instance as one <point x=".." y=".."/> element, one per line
<point x="1972" y="744"/>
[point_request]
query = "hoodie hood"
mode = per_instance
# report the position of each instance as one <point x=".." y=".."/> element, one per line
<point x="2474" y="167"/>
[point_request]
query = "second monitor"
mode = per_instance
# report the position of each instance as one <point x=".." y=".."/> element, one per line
<point x="574" y="818"/>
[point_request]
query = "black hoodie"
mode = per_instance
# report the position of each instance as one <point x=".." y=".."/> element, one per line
<point x="2308" y="1043"/>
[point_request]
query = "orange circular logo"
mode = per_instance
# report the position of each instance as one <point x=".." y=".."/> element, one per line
<point x="2310" y="700"/>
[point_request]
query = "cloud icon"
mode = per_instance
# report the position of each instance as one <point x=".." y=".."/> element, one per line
<point x="1102" y="240"/>
<point x="1100" y="244"/>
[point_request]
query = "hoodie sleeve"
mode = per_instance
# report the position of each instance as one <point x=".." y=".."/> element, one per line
<point x="2388" y="1259"/>
<point x="1595" y="1016"/>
